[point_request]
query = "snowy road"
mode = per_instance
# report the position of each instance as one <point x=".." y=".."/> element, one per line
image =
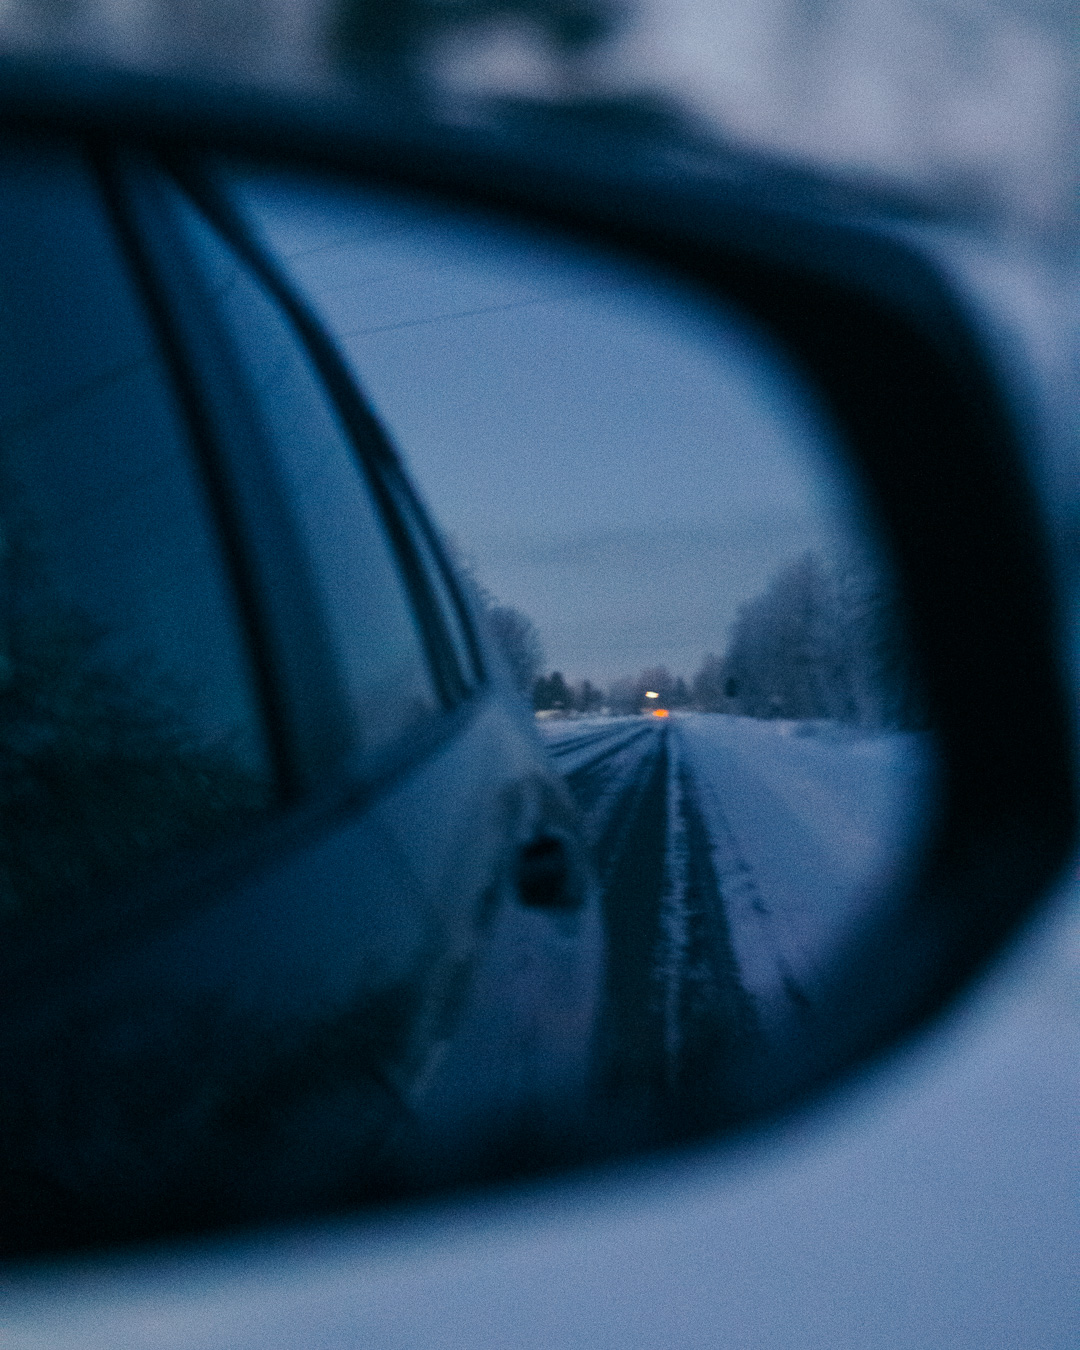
<point x="735" y="855"/>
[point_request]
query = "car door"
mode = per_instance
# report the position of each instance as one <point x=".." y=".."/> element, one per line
<point x="504" y="1061"/>
<point x="250" y="968"/>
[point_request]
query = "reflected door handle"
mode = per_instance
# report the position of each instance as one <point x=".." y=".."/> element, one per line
<point x="546" y="875"/>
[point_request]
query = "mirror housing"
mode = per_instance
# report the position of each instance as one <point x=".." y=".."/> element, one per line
<point x="876" y="329"/>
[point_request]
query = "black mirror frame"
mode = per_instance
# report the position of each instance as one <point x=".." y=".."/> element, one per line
<point x="906" y="376"/>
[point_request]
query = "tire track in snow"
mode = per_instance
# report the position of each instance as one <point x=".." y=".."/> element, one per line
<point x="627" y="822"/>
<point x="710" y="1022"/>
<point x="678" y="1023"/>
<point x="581" y="751"/>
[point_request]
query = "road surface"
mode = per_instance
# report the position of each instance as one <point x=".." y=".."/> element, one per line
<point x="735" y="856"/>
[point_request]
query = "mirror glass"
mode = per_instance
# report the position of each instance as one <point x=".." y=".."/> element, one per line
<point x="675" y="562"/>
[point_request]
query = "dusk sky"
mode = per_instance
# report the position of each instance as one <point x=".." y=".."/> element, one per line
<point x="621" y="463"/>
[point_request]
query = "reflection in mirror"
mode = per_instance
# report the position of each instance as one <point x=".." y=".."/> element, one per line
<point x="130" y="729"/>
<point x="674" y="562"/>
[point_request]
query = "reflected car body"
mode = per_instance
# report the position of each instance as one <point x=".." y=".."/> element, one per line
<point x="380" y="965"/>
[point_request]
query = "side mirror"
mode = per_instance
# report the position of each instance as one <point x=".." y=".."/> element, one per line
<point x="737" y="456"/>
<point x="871" y="424"/>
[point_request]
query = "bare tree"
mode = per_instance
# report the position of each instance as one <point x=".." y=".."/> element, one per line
<point x="517" y="639"/>
<point x="587" y="698"/>
<point x="823" y="641"/>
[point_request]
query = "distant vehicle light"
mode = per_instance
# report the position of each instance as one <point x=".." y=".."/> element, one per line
<point x="660" y="712"/>
<point x="651" y="693"/>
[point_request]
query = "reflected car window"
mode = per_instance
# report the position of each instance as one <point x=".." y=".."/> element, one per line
<point x="129" y="723"/>
<point x="444" y="594"/>
<point x="374" y="629"/>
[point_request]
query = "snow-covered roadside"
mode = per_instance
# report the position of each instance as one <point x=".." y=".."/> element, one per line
<point x="806" y="831"/>
<point x="805" y="824"/>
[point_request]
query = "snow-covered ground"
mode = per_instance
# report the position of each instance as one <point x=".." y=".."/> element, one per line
<point x="807" y="825"/>
<point x="808" y="829"/>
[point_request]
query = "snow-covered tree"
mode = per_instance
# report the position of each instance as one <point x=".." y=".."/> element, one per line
<point x="824" y="640"/>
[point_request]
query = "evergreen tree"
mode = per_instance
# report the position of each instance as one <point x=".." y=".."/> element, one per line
<point x="552" y="694"/>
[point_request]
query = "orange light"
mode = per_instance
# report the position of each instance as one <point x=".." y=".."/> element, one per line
<point x="660" y="712"/>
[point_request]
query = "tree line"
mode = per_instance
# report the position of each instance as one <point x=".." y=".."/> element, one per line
<point x="826" y="640"/>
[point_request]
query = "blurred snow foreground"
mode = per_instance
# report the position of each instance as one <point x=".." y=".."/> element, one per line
<point x="930" y="1205"/>
<point x="972" y="103"/>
